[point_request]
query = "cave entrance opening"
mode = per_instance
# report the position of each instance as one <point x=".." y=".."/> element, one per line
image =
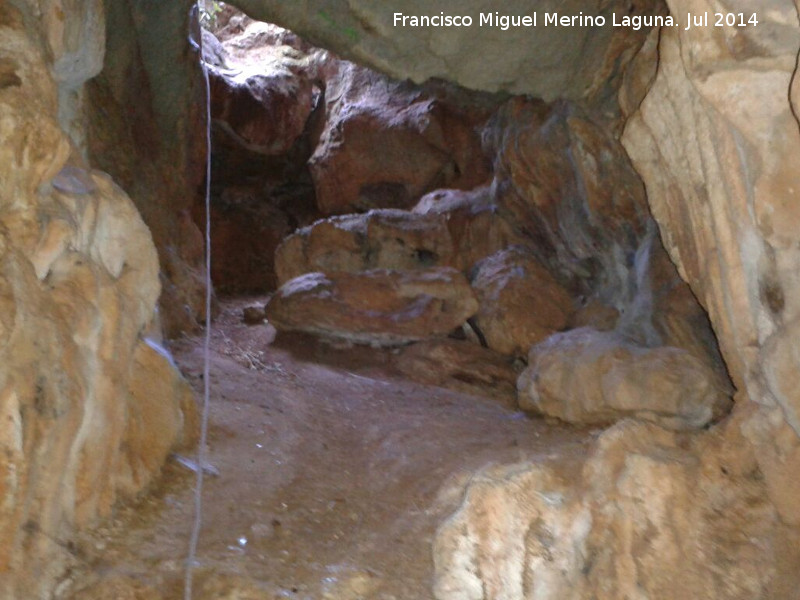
<point x="412" y="244"/>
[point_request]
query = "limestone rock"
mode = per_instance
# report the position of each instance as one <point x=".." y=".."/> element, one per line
<point x="520" y="302"/>
<point x="714" y="140"/>
<point x="385" y="144"/>
<point x="650" y="514"/>
<point x="461" y="366"/>
<point x="145" y="127"/>
<point x="587" y="376"/>
<point x="566" y="184"/>
<point x="378" y="307"/>
<point x="556" y="62"/>
<point x="89" y="410"/>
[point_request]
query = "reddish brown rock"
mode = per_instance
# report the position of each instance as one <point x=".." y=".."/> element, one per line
<point x="591" y="377"/>
<point x="448" y="228"/>
<point x="474" y="221"/>
<point x="379" y="307"/>
<point x="379" y="239"/>
<point x="461" y="366"/>
<point x="520" y="302"/>
<point x="386" y="143"/>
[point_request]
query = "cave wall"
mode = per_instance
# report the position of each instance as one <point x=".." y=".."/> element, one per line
<point x="715" y="141"/>
<point x="146" y="128"/>
<point x="90" y="403"/>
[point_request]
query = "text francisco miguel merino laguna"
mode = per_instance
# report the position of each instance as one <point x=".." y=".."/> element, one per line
<point x="505" y="22"/>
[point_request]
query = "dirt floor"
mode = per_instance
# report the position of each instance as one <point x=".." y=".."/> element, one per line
<point x="332" y="474"/>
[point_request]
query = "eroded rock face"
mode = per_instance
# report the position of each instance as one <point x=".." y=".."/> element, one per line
<point x="650" y="514"/>
<point x="378" y="307"/>
<point x="554" y="63"/>
<point x="586" y="376"/>
<point x="520" y="302"/>
<point x="145" y="126"/>
<point x="90" y="404"/>
<point x="714" y="140"/>
<point x="387" y="143"/>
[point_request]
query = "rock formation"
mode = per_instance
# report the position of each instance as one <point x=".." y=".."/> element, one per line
<point x="377" y="307"/>
<point x="677" y="239"/>
<point x="713" y="140"/>
<point x="649" y="514"/>
<point x="520" y="302"/>
<point x="91" y="403"/>
<point x="586" y="376"/>
<point x="576" y="62"/>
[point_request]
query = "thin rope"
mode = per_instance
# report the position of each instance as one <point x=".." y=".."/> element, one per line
<point x="201" y="450"/>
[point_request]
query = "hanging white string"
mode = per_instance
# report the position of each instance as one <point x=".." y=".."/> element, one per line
<point x="201" y="450"/>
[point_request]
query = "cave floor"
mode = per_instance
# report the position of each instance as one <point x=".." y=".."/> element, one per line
<point x="333" y="474"/>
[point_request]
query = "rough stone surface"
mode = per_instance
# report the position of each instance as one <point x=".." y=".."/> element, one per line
<point x="263" y="100"/>
<point x="549" y="62"/>
<point x="146" y="128"/>
<point x="651" y="514"/>
<point x="456" y="234"/>
<point x="379" y="239"/>
<point x="520" y="301"/>
<point x="587" y="376"/>
<point x="386" y="143"/>
<point x="378" y="307"/>
<point x="473" y="217"/>
<point x="90" y="404"/>
<point x="461" y="366"/>
<point x="714" y="140"/>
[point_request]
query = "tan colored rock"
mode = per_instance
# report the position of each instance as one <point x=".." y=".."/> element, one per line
<point x="652" y="514"/>
<point x="461" y="366"/>
<point x="592" y="377"/>
<point x="378" y="307"/>
<point x="520" y="302"/>
<point x="89" y="410"/>
<point x="714" y="140"/>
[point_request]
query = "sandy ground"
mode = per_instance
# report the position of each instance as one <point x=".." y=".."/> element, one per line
<point x="333" y="475"/>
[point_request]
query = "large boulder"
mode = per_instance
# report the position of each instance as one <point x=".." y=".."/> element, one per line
<point x="447" y="228"/>
<point x="520" y="302"/>
<point x="378" y="307"/>
<point x="386" y="143"/>
<point x="90" y="404"/>
<point x="648" y="514"/>
<point x="474" y="221"/>
<point x="586" y="376"/>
